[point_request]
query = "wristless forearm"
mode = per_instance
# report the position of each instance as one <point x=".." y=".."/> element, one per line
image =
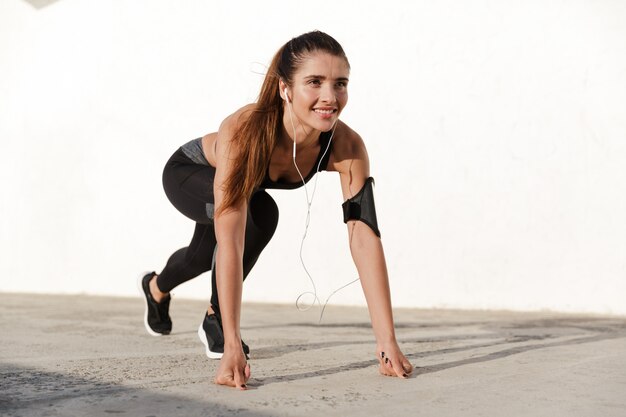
<point x="369" y="258"/>
<point x="229" y="275"/>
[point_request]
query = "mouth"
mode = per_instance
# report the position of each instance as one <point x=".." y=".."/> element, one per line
<point x="325" y="112"/>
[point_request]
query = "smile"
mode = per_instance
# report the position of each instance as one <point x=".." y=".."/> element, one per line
<point x="325" y="111"/>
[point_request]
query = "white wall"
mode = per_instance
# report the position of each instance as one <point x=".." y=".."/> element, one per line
<point x="496" y="132"/>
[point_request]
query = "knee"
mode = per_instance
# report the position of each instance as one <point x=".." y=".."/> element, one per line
<point x="199" y="263"/>
<point x="263" y="211"/>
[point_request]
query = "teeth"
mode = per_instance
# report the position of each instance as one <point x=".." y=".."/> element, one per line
<point x="324" y="111"/>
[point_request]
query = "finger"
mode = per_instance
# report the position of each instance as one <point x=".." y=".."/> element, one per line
<point x="246" y="372"/>
<point x="387" y="367"/>
<point x="398" y="370"/>
<point x="381" y="359"/>
<point x="240" y="381"/>
<point x="388" y="364"/>
<point x="385" y="371"/>
<point x="381" y="363"/>
<point x="407" y="366"/>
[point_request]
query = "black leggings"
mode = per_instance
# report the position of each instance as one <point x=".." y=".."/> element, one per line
<point x="189" y="187"/>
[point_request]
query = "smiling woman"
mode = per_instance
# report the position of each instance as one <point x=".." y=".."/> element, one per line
<point x="219" y="182"/>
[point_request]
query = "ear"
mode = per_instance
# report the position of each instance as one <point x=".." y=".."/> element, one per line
<point x="281" y="89"/>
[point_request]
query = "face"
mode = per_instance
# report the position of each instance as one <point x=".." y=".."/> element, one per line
<point x="319" y="91"/>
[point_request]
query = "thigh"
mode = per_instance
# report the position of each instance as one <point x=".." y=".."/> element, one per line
<point x="263" y="212"/>
<point x="189" y="187"/>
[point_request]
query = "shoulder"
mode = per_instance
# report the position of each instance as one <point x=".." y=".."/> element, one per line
<point x="231" y="124"/>
<point x="225" y="146"/>
<point x="347" y="146"/>
<point x="346" y="139"/>
<point x="235" y="119"/>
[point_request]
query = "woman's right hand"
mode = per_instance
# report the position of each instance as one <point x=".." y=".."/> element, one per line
<point x="234" y="370"/>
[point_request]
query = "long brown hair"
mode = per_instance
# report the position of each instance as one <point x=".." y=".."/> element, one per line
<point x="257" y="135"/>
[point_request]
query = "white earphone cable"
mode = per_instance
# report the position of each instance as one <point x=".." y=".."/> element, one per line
<point x="309" y="202"/>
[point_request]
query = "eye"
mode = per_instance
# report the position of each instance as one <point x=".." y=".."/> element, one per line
<point x="341" y="86"/>
<point x="315" y="81"/>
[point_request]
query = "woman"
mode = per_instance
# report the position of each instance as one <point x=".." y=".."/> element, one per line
<point x="219" y="181"/>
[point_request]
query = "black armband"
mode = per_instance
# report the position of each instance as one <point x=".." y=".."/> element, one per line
<point x="361" y="207"/>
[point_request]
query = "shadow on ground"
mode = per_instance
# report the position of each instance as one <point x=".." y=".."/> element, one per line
<point x="502" y="336"/>
<point x="27" y="392"/>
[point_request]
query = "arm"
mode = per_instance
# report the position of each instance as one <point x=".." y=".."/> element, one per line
<point x="369" y="258"/>
<point x="230" y="231"/>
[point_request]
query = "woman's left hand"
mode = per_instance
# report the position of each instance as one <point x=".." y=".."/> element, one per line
<point x="392" y="362"/>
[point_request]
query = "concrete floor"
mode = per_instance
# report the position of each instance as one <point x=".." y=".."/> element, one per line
<point x="90" y="356"/>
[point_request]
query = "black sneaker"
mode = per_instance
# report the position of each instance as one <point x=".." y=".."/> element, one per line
<point x="156" y="318"/>
<point x="212" y="336"/>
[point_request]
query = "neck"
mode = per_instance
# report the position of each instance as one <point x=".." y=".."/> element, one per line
<point x="304" y="137"/>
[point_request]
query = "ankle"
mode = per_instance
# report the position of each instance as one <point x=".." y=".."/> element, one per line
<point x="157" y="294"/>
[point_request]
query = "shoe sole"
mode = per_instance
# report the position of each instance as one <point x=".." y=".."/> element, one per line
<point x="143" y="295"/>
<point x="209" y="354"/>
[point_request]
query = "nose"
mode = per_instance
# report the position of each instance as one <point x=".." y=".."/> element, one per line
<point x="327" y="94"/>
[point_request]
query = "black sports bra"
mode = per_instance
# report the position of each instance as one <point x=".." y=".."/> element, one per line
<point x="193" y="150"/>
<point x="279" y="185"/>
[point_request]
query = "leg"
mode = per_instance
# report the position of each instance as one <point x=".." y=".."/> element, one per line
<point x="189" y="262"/>
<point x="189" y="187"/>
